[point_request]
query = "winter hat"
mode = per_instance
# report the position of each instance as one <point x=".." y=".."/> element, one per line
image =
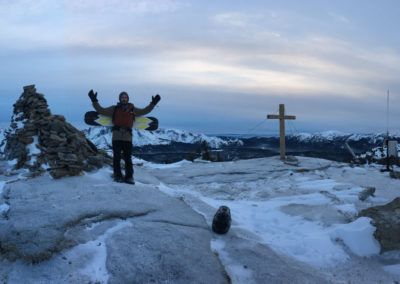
<point x="123" y="93"/>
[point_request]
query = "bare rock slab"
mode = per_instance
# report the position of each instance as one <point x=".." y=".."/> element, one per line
<point x="49" y="218"/>
<point x="386" y="219"/>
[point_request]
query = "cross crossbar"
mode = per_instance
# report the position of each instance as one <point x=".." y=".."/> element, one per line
<point x="275" y="116"/>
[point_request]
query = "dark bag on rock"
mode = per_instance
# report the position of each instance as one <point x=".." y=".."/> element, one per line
<point x="222" y="220"/>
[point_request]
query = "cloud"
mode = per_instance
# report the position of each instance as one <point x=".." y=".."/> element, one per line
<point x="47" y="24"/>
<point x="232" y="19"/>
<point x="317" y="65"/>
<point x="42" y="7"/>
<point x="186" y="45"/>
<point x="18" y="8"/>
<point x="339" y="18"/>
<point x="123" y="6"/>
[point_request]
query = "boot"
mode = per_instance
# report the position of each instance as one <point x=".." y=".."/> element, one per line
<point x="118" y="179"/>
<point x="129" y="180"/>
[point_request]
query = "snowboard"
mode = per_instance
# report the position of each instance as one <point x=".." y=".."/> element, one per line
<point x="141" y="122"/>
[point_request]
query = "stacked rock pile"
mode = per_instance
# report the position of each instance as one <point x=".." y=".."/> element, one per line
<point x="39" y="141"/>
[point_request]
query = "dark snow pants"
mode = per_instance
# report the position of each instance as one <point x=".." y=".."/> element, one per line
<point x="124" y="148"/>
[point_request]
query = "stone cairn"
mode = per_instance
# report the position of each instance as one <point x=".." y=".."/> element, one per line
<point x="39" y="141"/>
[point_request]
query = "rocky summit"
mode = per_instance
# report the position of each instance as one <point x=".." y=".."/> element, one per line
<point x="38" y="141"/>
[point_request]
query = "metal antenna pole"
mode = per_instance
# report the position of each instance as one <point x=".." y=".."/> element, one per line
<point x="387" y="133"/>
<point x="387" y="136"/>
<point x="387" y="115"/>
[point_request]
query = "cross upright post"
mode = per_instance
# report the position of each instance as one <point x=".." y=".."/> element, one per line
<point x="281" y="118"/>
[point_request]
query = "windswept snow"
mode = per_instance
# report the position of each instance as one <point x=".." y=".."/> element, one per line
<point x="306" y="212"/>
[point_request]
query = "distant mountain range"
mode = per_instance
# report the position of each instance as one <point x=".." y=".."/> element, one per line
<point x="170" y="145"/>
<point x="101" y="137"/>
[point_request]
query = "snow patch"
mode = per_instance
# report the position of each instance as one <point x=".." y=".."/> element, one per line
<point x="4" y="208"/>
<point x="236" y="271"/>
<point x="33" y="150"/>
<point x="101" y="174"/>
<point x="394" y="269"/>
<point x="2" y="140"/>
<point x="2" y="184"/>
<point x="96" y="252"/>
<point x="167" y="166"/>
<point x="12" y="163"/>
<point x="349" y="209"/>
<point x="304" y="240"/>
<point x="323" y="184"/>
<point x="358" y="236"/>
<point x="46" y="166"/>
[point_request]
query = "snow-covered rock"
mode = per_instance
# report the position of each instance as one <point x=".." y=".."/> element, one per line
<point x="2" y="140"/>
<point x="386" y="218"/>
<point x="90" y="230"/>
<point x="377" y="153"/>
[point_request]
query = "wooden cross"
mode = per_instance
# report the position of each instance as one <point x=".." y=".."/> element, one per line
<point x="281" y="118"/>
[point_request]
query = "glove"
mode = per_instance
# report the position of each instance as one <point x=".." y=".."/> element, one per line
<point x="93" y="96"/>
<point x="155" y="99"/>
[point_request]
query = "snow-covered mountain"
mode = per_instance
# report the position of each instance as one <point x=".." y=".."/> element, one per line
<point x="369" y="147"/>
<point x="101" y="137"/>
<point x="319" y="136"/>
<point x="333" y="135"/>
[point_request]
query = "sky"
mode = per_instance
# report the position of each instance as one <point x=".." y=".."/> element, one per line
<point x="220" y="66"/>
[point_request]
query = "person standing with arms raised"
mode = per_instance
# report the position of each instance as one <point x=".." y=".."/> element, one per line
<point x="123" y="116"/>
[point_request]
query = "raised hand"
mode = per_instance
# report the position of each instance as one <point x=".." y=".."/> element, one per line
<point x="155" y="99"/>
<point x="93" y="96"/>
